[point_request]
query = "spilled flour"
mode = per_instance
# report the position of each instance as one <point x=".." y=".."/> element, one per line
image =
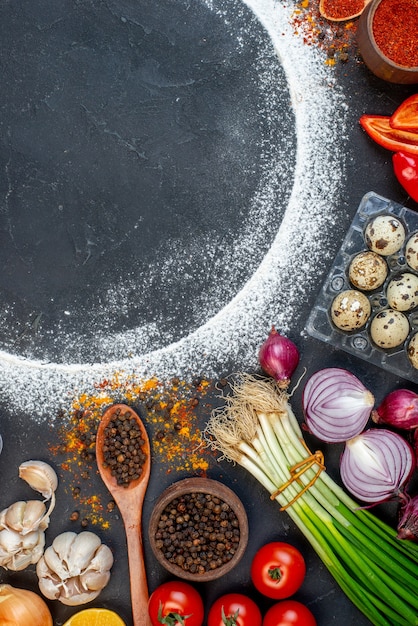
<point x="229" y="336"/>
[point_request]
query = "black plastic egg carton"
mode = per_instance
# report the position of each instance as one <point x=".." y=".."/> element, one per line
<point x="359" y="342"/>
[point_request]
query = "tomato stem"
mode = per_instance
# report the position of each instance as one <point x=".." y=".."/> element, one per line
<point x="275" y="573"/>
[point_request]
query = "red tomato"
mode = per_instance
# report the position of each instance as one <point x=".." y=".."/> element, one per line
<point x="234" y="609"/>
<point x="289" y="613"/>
<point x="278" y="570"/>
<point x="176" y="604"/>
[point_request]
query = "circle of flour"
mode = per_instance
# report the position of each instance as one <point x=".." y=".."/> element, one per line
<point x="275" y="292"/>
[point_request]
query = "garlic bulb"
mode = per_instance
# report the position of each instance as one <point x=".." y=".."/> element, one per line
<point x="22" y="524"/>
<point x="75" y="568"/>
<point x="24" y="517"/>
<point x="22" y="537"/>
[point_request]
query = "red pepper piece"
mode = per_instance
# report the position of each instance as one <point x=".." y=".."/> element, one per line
<point x="379" y="129"/>
<point x="406" y="115"/>
<point x="406" y="171"/>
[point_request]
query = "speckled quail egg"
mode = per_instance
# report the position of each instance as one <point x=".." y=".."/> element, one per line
<point x="402" y="292"/>
<point x="411" y="252"/>
<point x="413" y="351"/>
<point x="350" y="310"/>
<point x="389" y="328"/>
<point x="385" y="234"/>
<point x="367" y="271"/>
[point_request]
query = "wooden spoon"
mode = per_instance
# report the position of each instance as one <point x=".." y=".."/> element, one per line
<point x="130" y="501"/>
<point x="327" y="15"/>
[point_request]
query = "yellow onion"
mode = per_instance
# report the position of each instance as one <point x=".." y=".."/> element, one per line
<point x="21" y="607"/>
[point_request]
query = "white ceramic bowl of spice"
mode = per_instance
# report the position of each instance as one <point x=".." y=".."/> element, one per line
<point x="387" y="37"/>
<point x="198" y="529"/>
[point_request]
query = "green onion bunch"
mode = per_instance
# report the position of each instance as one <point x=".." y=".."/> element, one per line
<point x="257" y="429"/>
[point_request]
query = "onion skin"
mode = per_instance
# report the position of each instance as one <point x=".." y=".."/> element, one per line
<point x="21" y="607"/>
<point x="336" y="404"/>
<point x="408" y="522"/>
<point x="279" y="357"/>
<point x="376" y="465"/>
<point x="399" y="409"/>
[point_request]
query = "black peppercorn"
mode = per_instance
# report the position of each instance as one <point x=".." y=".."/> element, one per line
<point x="197" y="532"/>
<point x="123" y="448"/>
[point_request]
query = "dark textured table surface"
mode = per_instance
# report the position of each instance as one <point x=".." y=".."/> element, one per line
<point x="133" y="141"/>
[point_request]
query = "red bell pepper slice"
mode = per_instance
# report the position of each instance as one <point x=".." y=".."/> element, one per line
<point x="379" y="129"/>
<point x="406" y="115"/>
<point x="406" y="171"/>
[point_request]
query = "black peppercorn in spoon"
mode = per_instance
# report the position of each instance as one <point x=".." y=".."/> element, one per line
<point x="126" y="474"/>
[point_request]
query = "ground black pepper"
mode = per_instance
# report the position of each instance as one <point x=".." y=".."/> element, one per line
<point x="123" y="448"/>
<point x="198" y="532"/>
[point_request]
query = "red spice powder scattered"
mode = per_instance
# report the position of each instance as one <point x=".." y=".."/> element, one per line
<point x="395" y="29"/>
<point x="337" y="39"/>
<point x="170" y="414"/>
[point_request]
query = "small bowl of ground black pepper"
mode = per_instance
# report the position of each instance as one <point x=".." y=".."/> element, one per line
<point x="198" y="529"/>
<point x="387" y="38"/>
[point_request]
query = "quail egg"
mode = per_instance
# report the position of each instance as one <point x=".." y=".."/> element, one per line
<point x="350" y="310"/>
<point x="411" y="252"/>
<point x="402" y="292"/>
<point x="367" y="270"/>
<point x="385" y="234"/>
<point x="413" y="351"/>
<point x="389" y="328"/>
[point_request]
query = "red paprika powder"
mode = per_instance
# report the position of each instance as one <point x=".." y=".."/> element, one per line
<point x="341" y="9"/>
<point x="395" y="29"/>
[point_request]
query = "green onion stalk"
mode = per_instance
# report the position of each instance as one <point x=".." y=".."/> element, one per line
<point x="257" y="429"/>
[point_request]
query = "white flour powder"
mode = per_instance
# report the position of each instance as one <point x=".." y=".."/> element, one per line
<point x="275" y="291"/>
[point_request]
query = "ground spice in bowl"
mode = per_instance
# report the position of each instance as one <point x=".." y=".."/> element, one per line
<point x="387" y="38"/>
<point x="395" y="29"/>
<point x="198" y="529"/>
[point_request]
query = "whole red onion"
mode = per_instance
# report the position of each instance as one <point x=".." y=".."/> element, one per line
<point x="279" y="357"/>
<point x="408" y="522"/>
<point x="399" y="408"/>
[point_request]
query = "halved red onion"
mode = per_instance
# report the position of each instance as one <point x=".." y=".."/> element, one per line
<point x="336" y="405"/>
<point x="376" y="464"/>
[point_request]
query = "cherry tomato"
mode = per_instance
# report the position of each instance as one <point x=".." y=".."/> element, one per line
<point x="278" y="570"/>
<point x="234" y="609"/>
<point x="176" y="603"/>
<point x="289" y="613"/>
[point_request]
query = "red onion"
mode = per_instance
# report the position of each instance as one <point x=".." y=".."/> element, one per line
<point x="408" y="522"/>
<point x="336" y="404"/>
<point x="399" y="408"/>
<point x="376" y="464"/>
<point x="279" y="357"/>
